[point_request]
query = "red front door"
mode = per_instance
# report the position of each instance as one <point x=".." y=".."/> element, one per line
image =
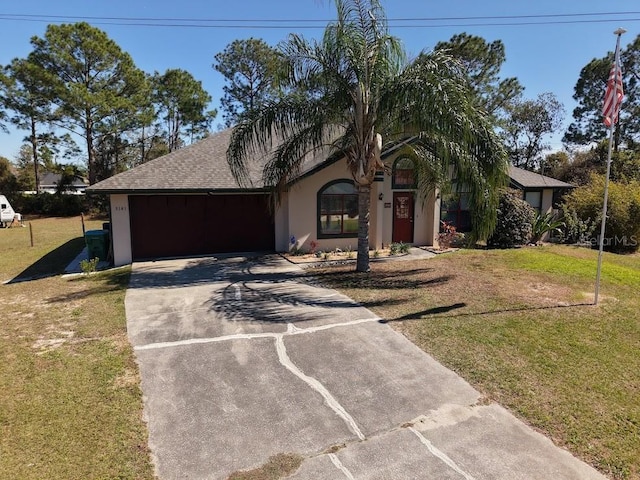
<point x="402" y="217"/>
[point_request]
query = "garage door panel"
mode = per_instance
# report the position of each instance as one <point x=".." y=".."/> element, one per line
<point x="182" y="225"/>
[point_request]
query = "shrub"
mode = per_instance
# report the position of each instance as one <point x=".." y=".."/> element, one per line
<point x="399" y="247"/>
<point x="89" y="266"/>
<point x="543" y="224"/>
<point x="513" y="225"/>
<point x="449" y="236"/>
<point x="622" y="234"/>
<point x="576" y="230"/>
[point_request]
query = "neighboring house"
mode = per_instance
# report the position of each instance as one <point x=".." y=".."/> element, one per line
<point x="541" y="192"/>
<point x="188" y="203"/>
<point x="49" y="184"/>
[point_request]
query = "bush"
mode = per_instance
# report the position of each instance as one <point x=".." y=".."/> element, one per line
<point x="399" y="247"/>
<point x="513" y="225"/>
<point x="622" y="234"/>
<point x="576" y="230"/>
<point x="449" y="236"/>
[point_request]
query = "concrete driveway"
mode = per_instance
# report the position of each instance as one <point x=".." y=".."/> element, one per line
<point x="242" y="358"/>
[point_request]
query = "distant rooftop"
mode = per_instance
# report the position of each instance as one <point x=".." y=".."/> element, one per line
<point x="525" y="179"/>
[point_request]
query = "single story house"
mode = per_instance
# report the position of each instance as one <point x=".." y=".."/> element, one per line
<point x="50" y="181"/>
<point x="188" y="203"/>
<point x="541" y="192"/>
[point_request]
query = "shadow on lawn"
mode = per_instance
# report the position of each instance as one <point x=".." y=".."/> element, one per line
<point x="436" y="311"/>
<point x="428" y="311"/>
<point x="384" y="280"/>
<point x="53" y="263"/>
<point x="103" y="282"/>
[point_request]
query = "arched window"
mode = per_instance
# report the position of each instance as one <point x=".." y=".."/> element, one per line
<point x="338" y="210"/>
<point x="403" y="174"/>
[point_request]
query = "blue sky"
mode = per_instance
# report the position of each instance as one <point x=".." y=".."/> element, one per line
<point x="544" y="55"/>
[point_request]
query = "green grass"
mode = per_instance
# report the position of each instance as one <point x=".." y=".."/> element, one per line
<point x="56" y="241"/>
<point x="520" y="326"/>
<point x="70" y="401"/>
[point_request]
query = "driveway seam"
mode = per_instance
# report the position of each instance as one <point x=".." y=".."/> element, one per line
<point x="291" y="330"/>
<point x="440" y="454"/>
<point x="316" y="385"/>
<point x="338" y="464"/>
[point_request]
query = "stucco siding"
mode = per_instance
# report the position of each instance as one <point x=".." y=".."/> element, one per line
<point x="547" y="201"/>
<point x="303" y="210"/>
<point x="281" y="219"/>
<point x="297" y="216"/>
<point x="121" y="229"/>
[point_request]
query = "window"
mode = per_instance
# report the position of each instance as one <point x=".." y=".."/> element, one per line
<point x="403" y="174"/>
<point x="534" y="198"/>
<point x="455" y="210"/>
<point x="338" y="210"/>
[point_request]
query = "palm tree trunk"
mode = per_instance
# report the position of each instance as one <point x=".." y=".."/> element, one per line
<point x="364" y="207"/>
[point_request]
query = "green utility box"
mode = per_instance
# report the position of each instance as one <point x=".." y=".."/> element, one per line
<point x="97" y="243"/>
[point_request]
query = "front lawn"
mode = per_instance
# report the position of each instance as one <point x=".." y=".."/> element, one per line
<point x="519" y="325"/>
<point x="70" y="401"/>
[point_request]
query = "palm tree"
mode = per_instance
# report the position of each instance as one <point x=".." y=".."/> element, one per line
<point x="353" y="88"/>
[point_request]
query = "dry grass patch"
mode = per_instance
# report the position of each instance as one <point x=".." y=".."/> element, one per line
<point x="518" y="325"/>
<point x="278" y="466"/>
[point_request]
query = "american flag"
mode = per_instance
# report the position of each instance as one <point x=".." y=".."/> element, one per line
<point x="614" y="94"/>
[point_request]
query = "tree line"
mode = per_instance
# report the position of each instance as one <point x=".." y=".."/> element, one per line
<point x="77" y="83"/>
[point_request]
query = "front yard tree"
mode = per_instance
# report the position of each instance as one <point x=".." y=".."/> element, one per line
<point x="353" y="89"/>
<point x="525" y="126"/>
<point x="253" y="71"/>
<point x="30" y="109"/>
<point x="482" y="62"/>
<point x="91" y="77"/>
<point x="182" y="103"/>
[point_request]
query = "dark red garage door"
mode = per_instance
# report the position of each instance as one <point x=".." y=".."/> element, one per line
<point x="181" y="225"/>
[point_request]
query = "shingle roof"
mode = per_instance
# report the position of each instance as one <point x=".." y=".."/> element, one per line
<point x="200" y="167"/>
<point x="526" y="179"/>
<point x="52" y="179"/>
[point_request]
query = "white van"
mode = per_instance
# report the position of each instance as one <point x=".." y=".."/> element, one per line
<point x="7" y="214"/>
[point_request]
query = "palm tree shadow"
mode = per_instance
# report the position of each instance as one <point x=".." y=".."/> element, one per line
<point x="437" y="312"/>
<point x="428" y="311"/>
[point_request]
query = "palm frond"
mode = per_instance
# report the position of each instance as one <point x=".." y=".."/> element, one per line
<point x="431" y="99"/>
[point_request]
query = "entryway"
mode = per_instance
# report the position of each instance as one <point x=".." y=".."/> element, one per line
<point x="402" y="217"/>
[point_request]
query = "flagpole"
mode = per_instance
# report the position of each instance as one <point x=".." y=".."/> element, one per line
<point x="603" y="222"/>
